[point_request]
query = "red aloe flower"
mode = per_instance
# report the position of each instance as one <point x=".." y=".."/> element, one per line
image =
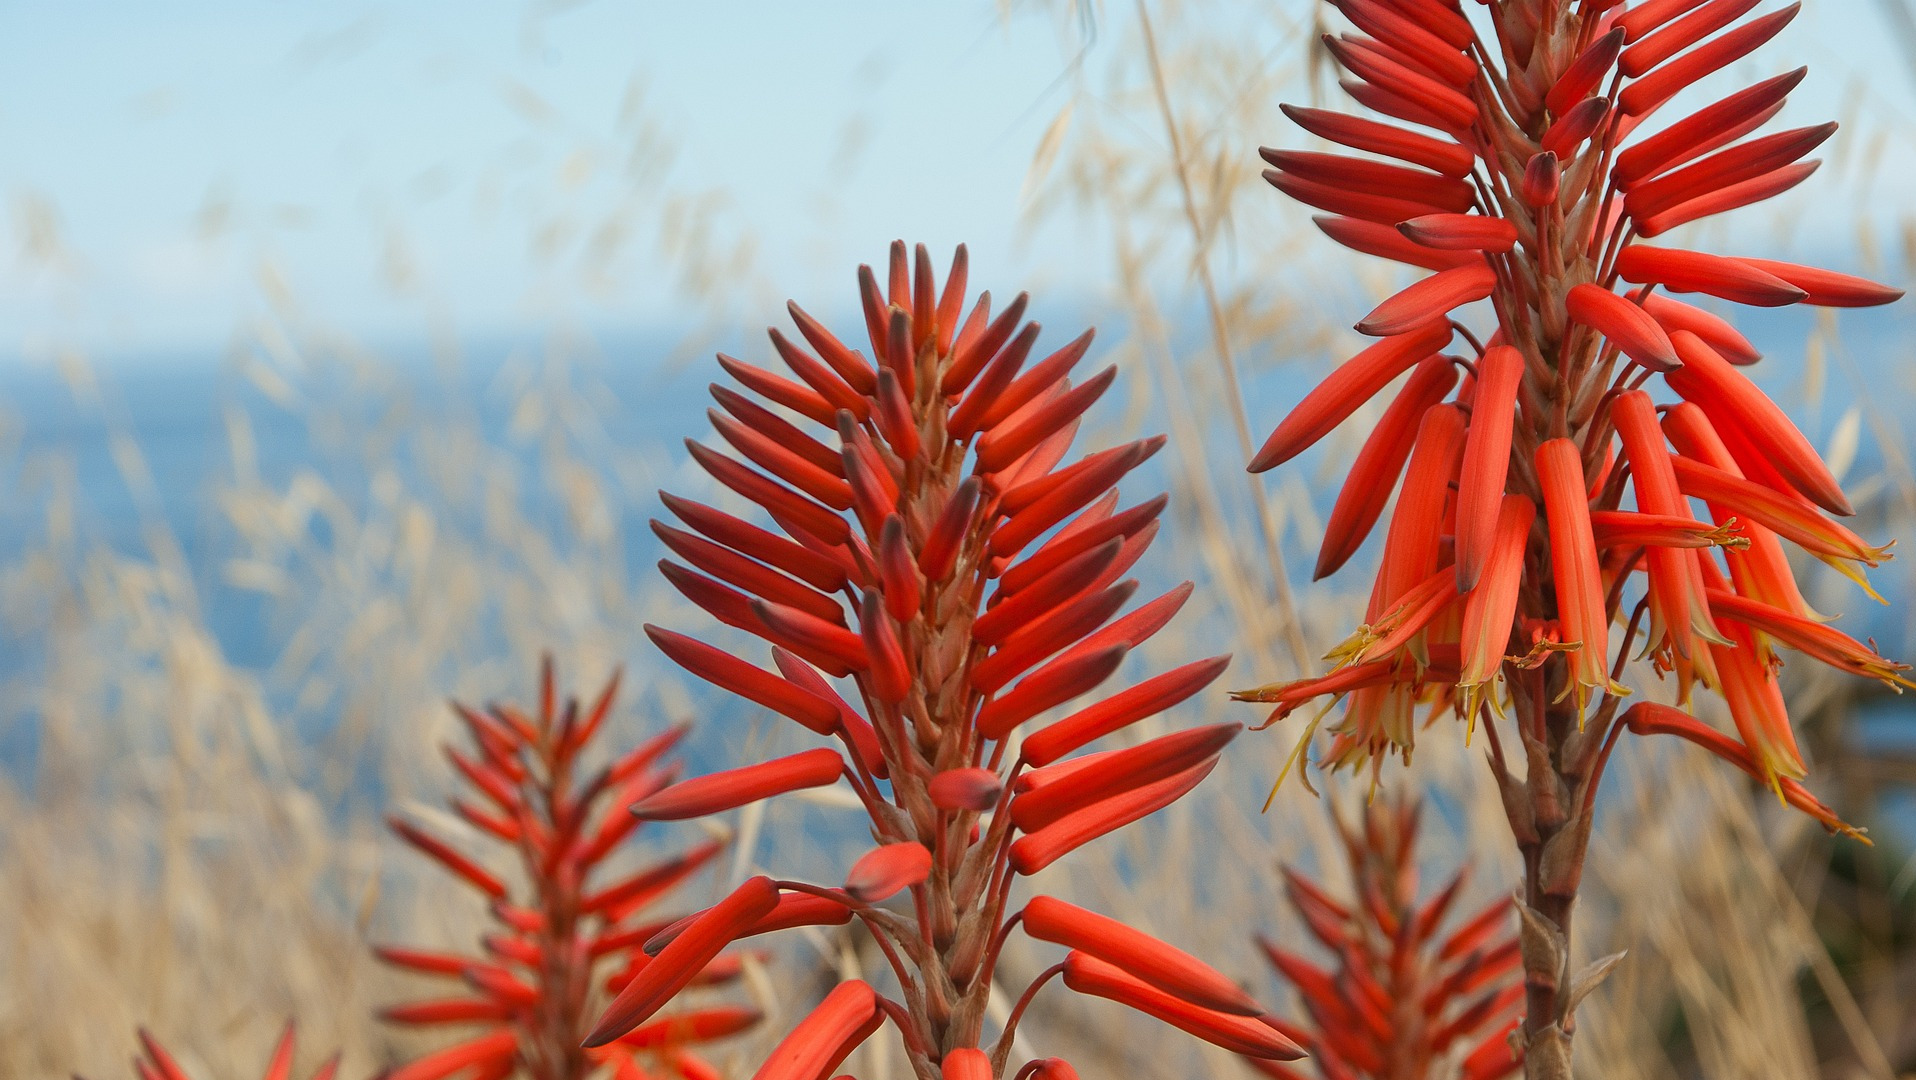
<point x="575" y="928"/>
<point x="1402" y="997"/>
<point x="931" y="550"/>
<point x="1531" y="185"/>
<point x="154" y="1063"/>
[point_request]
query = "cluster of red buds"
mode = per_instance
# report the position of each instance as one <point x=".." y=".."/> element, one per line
<point x="1539" y="476"/>
<point x="574" y="927"/>
<point x="933" y="551"/>
<point x="154" y="1063"/>
<point x="1404" y="1000"/>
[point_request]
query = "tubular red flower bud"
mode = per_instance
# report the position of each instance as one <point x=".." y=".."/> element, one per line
<point x="1356" y="381"/>
<point x="822" y="379"/>
<point x="1385" y="242"/>
<point x="1748" y="192"/>
<point x="1027" y="388"/>
<point x="1439" y="155"/>
<point x="1055" y="588"/>
<point x="1659" y="86"/>
<point x="1451" y="108"/>
<point x="1705" y="130"/>
<point x="1647" y="16"/>
<point x="849" y="365"/>
<point x="1573" y="556"/>
<point x="898" y="571"/>
<point x="640" y="889"/>
<point x="1120" y="771"/>
<point x="1061" y="627"/>
<point x="1480" y="487"/>
<point x="808" y="566"/>
<point x="729" y="566"/>
<point x="1542" y="179"/>
<point x="1461" y="232"/>
<point x="1656" y="48"/>
<point x="1082" y="536"/>
<point x="1249" y="1036"/>
<point x="733" y="788"/>
<point x="974" y="789"/>
<point x="1404" y="33"/>
<point x="1575" y="126"/>
<point x="1374" y="178"/>
<point x="681" y="961"/>
<point x="887" y="870"/>
<point x="1583" y="75"/>
<point x="890" y="674"/>
<point x="1762" y="571"/>
<point x="1627" y="326"/>
<point x="1814" y="639"/>
<point x="1000" y="448"/>
<point x="1383" y="210"/>
<point x="1677" y="610"/>
<point x="442" y="853"/>
<point x="1746" y="161"/>
<point x="1717" y="275"/>
<point x="818" y="1044"/>
<point x="1034" y="520"/>
<point x="746" y="680"/>
<point x="1827" y="288"/>
<point x="1429" y="300"/>
<point x="1788" y="517"/>
<point x="1144" y="957"/>
<point x="451" y="1011"/>
<point x="969" y="360"/>
<point x="1055" y="683"/>
<point x="1035" y="851"/>
<point x="1413" y="544"/>
<point x="1122" y="709"/>
<point x="1719" y="335"/>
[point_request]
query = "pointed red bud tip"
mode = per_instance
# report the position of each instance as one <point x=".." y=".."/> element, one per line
<point x="1572" y="128"/>
<point x="887" y="870"/>
<point x="1043" y="800"/>
<point x="1053" y="1069"/>
<point x="1127" y="707"/>
<point x="965" y="789"/>
<point x="748" y="681"/>
<point x="830" y="639"/>
<point x="1385" y="242"/>
<point x="1169" y="969"/>
<point x="1664" y="83"/>
<point x="1461" y="232"/>
<point x="1627" y="326"/>
<point x="443" y="853"/>
<point x="734" y="788"/>
<point x="1252" y="1037"/>
<point x="898" y="571"/>
<point x="681" y="961"/>
<point x="1712" y="329"/>
<point x="890" y="674"/>
<point x="1486" y="464"/>
<point x="966" y="1063"/>
<point x="1430" y="300"/>
<point x="1729" y="396"/>
<point x="1373" y="476"/>
<point x="1356" y="381"/>
<point x="819" y="1043"/>
<point x="1035" y="851"/>
<point x="1542" y="179"/>
<point x="1583" y="74"/>
<point x="1374" y="177"/>
<point x="1717" y="275"/>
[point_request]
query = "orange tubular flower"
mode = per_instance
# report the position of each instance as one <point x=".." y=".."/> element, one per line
<point x="575" y="924"/>
<point x="1512" y="163"/>
<point x="935" y="577"/>
<point x="1405" y="996"/>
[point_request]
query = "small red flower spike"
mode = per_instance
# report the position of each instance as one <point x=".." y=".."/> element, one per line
<point x="934" y="578"/>
<point x="1519" y="162"/>
<point x="154" y="1063"/>
<point x="571" y="925"/>
<point x="1403" y="997"/>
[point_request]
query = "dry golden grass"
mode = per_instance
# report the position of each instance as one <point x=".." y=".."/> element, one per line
<point x="198" y="851"/>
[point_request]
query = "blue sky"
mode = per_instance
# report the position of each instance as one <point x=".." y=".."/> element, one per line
<point x="167" y="168"/>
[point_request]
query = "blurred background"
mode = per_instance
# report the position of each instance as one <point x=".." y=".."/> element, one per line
<point x="343" y="348"/>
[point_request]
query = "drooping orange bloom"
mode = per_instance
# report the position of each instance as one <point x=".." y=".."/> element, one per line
<point x="154" y="1063"/>
<point x="935" y="578"/>
<point x="1521" y="158"/>
<point x="1403" y="999"/>
<point x="571" y="925"/>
